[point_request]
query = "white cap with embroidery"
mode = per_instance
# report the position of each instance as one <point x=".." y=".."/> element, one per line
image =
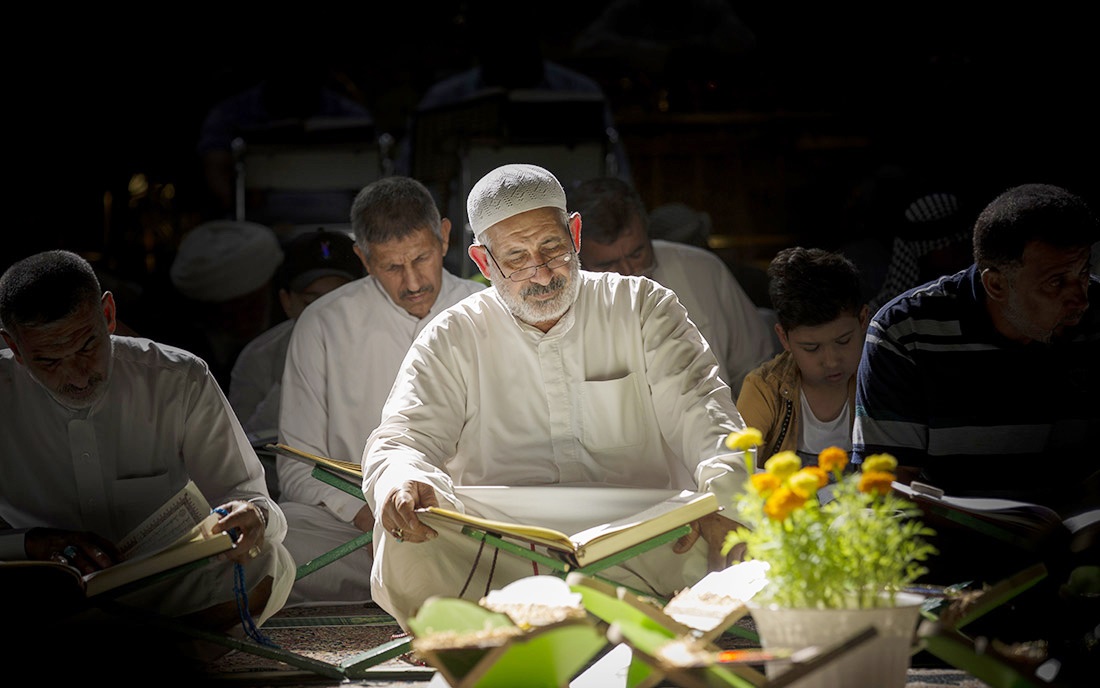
<point x="510" y="190"/>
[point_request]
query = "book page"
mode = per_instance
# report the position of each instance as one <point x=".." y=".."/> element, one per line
<point x="652" y="514"/>
<point x="177" y="519"/>
<point x="991" y="508"/>
<point x="345" y="468"/>
<point x="549" y="537"/>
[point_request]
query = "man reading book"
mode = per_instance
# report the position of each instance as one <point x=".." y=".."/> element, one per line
<point x="554" y="376"/>
<point x="340" y="364"/>
<point x="984" y="383"/>
<point x="100" y="430"/>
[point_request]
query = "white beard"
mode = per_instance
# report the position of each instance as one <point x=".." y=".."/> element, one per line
<point x="534" y="312"/>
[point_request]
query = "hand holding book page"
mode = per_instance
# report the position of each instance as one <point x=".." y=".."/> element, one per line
<point x="178" y="533"/>
<point x="594" y="543"/>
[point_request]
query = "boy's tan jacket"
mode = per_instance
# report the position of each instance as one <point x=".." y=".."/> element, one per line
<point x="769" y="402"/>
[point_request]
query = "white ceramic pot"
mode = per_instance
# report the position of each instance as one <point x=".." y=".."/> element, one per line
<point x="883" y="662"/>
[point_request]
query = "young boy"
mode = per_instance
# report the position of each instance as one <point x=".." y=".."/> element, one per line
<point x="803" y="399"/>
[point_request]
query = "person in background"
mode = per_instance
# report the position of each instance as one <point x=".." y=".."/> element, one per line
<point x="554" y="376"/>
<point x="293" y="91"/>
<point x="223" y="276"/>
<point x="1019" y="318"/>
<point x="100" y="430"/>
<point x="983" y="383"/>
<point x="803" y="400"/>
<point x="342" y="359"/>
<point x="315" y="263"/>
<point x="933" y="240"/>
<point x="618" y="241"/>
<point x="514" y="66"/>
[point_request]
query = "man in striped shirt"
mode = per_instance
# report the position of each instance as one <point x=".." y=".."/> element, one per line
<point x="986" y="382"/>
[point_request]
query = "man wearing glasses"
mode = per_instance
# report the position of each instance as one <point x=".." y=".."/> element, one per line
<point x="555" y="377"/>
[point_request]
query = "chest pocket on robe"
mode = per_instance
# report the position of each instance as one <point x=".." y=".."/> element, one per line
<point x="614" y="416"/>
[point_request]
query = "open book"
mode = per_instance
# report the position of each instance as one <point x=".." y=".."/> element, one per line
<point x="168" y="538"/>
<point x="592" y="544"/>
<point x="1011" y="521"/>
<point x="345" y="469"/>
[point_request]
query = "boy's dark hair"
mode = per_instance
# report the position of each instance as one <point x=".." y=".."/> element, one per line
<point x="1031" y="212"/>
<point x="812" y="286"/>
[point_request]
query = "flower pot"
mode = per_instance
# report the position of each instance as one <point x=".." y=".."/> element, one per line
<point x="882" y="662"/>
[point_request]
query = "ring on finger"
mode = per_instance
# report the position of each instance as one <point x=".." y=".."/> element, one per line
<point x="69" y="552"/>
<point x="399" y="534"/>
<point x="254" y="552"/>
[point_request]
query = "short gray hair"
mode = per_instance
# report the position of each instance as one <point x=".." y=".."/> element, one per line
<point x="46" y="287"/>
<point x="393" y="208"/>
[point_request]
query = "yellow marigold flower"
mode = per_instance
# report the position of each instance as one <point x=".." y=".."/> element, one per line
<point x="880" y="462"/>
<point x="804" y="483"/>
<point x="832" y="459"/>
<point x="781" y="503"/>
<point x="744" y="440"/>
<point x="822" y="476"/>
<point x="877" y="482"/>
<point x="783" y="464"/>
<point x="764" y="483"/>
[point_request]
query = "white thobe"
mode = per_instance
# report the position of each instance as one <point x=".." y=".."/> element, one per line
<point x="719" y="307"/>
<point x="344" y="353"/>
<point x="622" y="391"/>
<point x="162" y="421"/>
<point x="255" y="384"/>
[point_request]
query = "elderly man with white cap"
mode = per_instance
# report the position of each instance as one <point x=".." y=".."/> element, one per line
<point x="554" y="377"/>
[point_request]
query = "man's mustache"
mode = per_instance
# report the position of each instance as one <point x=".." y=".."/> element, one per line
<point x="555" y="284"/>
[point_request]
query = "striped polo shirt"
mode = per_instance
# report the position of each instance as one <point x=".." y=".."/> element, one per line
<point x="939" y="388"/>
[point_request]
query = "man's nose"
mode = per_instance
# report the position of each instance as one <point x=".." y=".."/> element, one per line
<point x="413" y="279"/>
<point x="1078" y="294"/>
<point x="77" y="374"/>
<point x="542" y="275"/>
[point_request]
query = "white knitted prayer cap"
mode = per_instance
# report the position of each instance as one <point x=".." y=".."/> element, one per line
<point x="221" y="260"/>
<point x="510" y="190"/>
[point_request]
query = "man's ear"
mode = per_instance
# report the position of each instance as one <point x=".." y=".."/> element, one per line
<point x="445" y="234"/>
<point x="575" y="230"/>
<point x="481" y="259"/>
<point x="864" y="317"/>
<point x="108" y="303"/>
<point x="284" y="301"/>
<point x="995" y="284"/>
<point x="782" y="334"/>
<point x="363" y="259"/>
<point x="10" y="341"/>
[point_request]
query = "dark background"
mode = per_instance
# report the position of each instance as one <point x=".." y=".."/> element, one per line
<point x="773" y="142"/>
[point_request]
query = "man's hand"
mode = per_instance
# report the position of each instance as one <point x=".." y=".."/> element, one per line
<point x="364" y="519"/>
<point x="398" y="512"/>
<point x="249" y="521"/>
<point x="713" y="528"/>
<point x="85" y="550"/>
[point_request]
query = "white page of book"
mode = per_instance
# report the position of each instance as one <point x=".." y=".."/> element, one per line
<point x="173" y="520"/>
<point x="569" y="509"/>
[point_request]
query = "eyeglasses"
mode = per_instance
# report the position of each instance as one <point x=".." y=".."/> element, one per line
<point x="524" y="274"/>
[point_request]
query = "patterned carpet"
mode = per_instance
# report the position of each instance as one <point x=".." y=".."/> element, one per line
<point x="335" y="634"/>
